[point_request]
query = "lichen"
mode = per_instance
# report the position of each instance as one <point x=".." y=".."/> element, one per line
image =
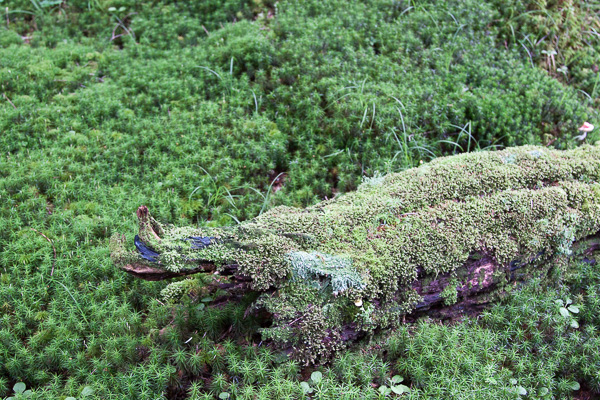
<point x="324" y="271"/>
<point x="371" y="243"/>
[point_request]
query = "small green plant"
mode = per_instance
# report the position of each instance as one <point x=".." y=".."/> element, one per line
<point x="568" y="310"/>
<point x="85" y="392"/>
<point x="450" y="292"/>
<point x="306" y="389"/>
<point x="42" y="6"/>
<point x="315" y="378"/>
<point x="515" y="388"/>
<point x="395" y="386"/>
<point x="20" y="392"/>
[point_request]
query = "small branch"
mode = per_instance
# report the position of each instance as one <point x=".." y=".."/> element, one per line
<point x="7" y="99"/>
<point x="155" y="274"/>
<point x="53" y="249"/>
<point x="148" y="273"/>
<point x="121" y="24"/>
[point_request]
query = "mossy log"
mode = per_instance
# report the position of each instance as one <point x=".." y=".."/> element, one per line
<point x="441" y="239"/>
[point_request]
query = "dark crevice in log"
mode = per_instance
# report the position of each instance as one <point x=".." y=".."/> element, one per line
<point x="478" y="275"/>
<point x="351" y="332"/>
<point x="474" y="298"/>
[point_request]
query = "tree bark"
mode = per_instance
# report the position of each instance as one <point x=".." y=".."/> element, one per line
<point x="148" y="273"/>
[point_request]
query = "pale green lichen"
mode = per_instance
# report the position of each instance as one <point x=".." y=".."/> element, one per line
<point x="371" y="243"/>
<point x="324" y="271"/>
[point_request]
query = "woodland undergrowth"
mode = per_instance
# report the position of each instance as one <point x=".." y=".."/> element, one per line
<point x="211" y="112"/>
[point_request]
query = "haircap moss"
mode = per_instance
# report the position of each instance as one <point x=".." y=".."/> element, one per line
<point x="374" y="243"/>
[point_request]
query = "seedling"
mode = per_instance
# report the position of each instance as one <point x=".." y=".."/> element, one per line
<point x="520" y="390"/>
<point x="550" y="58"/>
<point x="567" y="310"/>
<point x="316" y="377"/>
<point x="19" y="389"/>
<point x="395" y="386"/>
<point x="87" y="391"/>
<point x="563" y="70"/>
<point x="306" y="389"/>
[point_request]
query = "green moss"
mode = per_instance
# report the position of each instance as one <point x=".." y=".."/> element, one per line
<point x="450" y="292"/>
<point x="175" y="290"/>
<point x="561" y="38"/>
<point x="93" y="126"/>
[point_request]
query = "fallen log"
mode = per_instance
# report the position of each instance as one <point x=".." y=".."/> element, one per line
<point x="443" y="239"/>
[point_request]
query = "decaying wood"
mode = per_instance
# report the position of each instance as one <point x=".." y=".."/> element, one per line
<point x="441" y="240"/>
<point x="157" y="274"/>
<point x="472" y="297"/>
<point x="147" y="273"/>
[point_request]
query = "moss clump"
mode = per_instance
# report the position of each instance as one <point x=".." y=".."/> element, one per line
<point x="561" y="37"/>
<point x="372" y="244"/>
<point x="450" y="292"/>
<point x="175" y="290"/>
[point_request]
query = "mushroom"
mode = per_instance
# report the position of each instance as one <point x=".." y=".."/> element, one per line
<point x="585" y="128"/>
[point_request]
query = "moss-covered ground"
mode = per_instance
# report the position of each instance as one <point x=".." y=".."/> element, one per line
<point x="212" y="112"/>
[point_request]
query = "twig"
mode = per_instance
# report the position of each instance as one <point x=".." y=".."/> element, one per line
<point x="206" y="30"/>
<point x="529" y="54"/>
<point x="53" y="248"/>
<point x="7" y="19"/>
<point x="121" y="24"/>
<point x="7" y="99"/>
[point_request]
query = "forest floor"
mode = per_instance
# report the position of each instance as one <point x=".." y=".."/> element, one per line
<point x="210" y="112"/>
